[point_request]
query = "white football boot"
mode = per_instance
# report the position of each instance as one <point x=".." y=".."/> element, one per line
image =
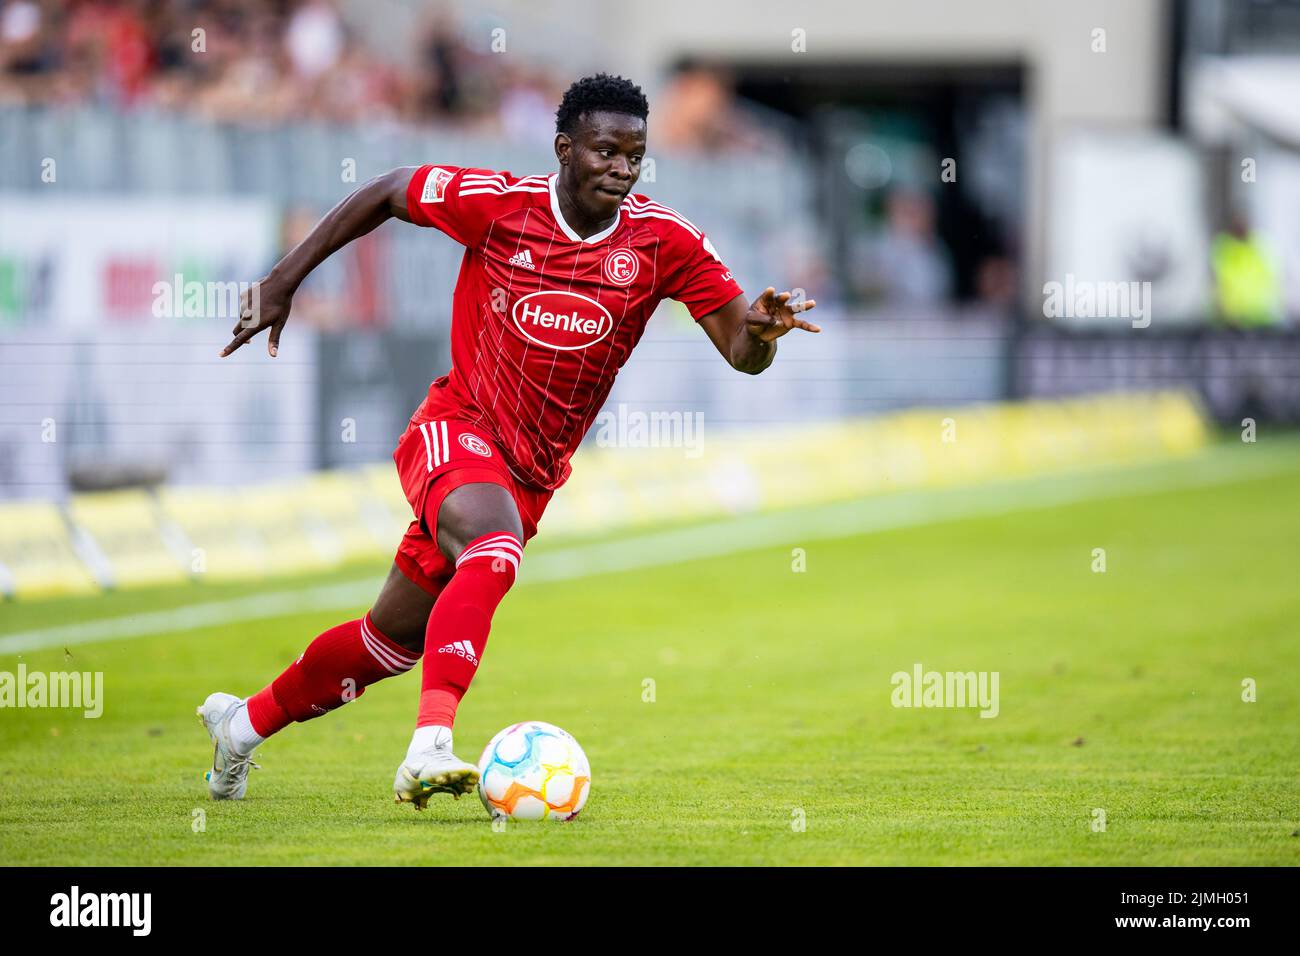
<point x="228" y="778"/>
<point x="434" y="769"/>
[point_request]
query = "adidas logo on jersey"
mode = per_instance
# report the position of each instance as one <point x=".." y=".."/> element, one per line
<point x="460" y="649"/>
<point x="523" y="260"/>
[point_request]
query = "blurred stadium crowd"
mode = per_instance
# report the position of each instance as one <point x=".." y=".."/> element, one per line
<point x="270" y="60"/>
<point x="253" y="60"/>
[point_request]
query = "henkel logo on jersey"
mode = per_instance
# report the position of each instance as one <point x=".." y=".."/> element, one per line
<point x="561" y="320"/>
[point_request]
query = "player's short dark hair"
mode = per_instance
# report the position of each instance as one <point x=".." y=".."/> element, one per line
<point x="597" y="94"/>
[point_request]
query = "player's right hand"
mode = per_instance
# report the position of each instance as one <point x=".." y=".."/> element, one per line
<point x="264" y="305"/>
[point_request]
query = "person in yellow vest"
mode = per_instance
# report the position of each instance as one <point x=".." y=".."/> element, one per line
<point x="1248" y="288"/>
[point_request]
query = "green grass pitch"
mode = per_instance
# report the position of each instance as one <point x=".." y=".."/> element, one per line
<point x="1119" y="691"/>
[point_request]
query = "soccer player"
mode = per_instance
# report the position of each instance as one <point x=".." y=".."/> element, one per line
<point x="560" y="275"/>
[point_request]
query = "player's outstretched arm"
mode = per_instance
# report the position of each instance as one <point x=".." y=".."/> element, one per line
<point x="746" y="334"/>
<point x="266" y="305"/>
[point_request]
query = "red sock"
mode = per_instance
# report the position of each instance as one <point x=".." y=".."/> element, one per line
<point x="335" y="668"/>
<point x="459" y="625"/>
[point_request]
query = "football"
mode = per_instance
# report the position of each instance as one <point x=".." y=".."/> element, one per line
<point x="534" y="771"/>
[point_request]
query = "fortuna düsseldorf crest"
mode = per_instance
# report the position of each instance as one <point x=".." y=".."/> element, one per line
<point x="620" y="267"/>
<point x="475" y="444"/>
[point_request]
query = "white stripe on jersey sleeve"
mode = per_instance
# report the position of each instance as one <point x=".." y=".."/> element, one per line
<point x="498" y="191"/>
<point x="648" y="213"/>
<point x="428" y="448"/>
<point x="500" y="177"/>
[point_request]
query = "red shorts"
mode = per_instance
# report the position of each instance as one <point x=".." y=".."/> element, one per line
<point x="434" y="457"/>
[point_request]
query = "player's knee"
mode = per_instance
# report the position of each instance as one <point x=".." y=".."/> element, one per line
<point x="401" y="612"/>
<point x="404" y="625"/>
<point x="410" y="639"/>
<point x="473" y="512"/>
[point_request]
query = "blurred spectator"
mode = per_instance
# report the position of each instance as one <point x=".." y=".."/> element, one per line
<point x="128" y="51"/>
<point x="22" y="51"/>
<point x="997" y="281"/>
<point x="244" y="79"/>
<point x="698" y="111"/>
<point x="314" y="39"/>
<point x="441" y="55"/>
<point x="528" y="104"/>
<point x="1247" y="282"/>
<point x="905" y="263"/>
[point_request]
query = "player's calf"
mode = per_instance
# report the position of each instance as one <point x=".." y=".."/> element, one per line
<point x="459" y="627"/>
<point x="457" y="637"/>
<point x="336" y="668"/>
<point x="460" y="624"/>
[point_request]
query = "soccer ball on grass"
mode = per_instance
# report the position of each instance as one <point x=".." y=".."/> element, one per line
<point x="533" y="771"/>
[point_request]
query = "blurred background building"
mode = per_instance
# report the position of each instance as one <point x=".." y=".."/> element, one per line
<point x="926" y="171"/>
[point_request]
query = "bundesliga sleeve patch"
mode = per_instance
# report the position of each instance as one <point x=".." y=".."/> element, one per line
<point x="435" y="185"/>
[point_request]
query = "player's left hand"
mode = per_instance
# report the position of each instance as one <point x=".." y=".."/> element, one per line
<point x="772" y="315"/>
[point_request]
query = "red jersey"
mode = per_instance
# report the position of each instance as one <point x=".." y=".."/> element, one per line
<point x="542" y="320"/>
